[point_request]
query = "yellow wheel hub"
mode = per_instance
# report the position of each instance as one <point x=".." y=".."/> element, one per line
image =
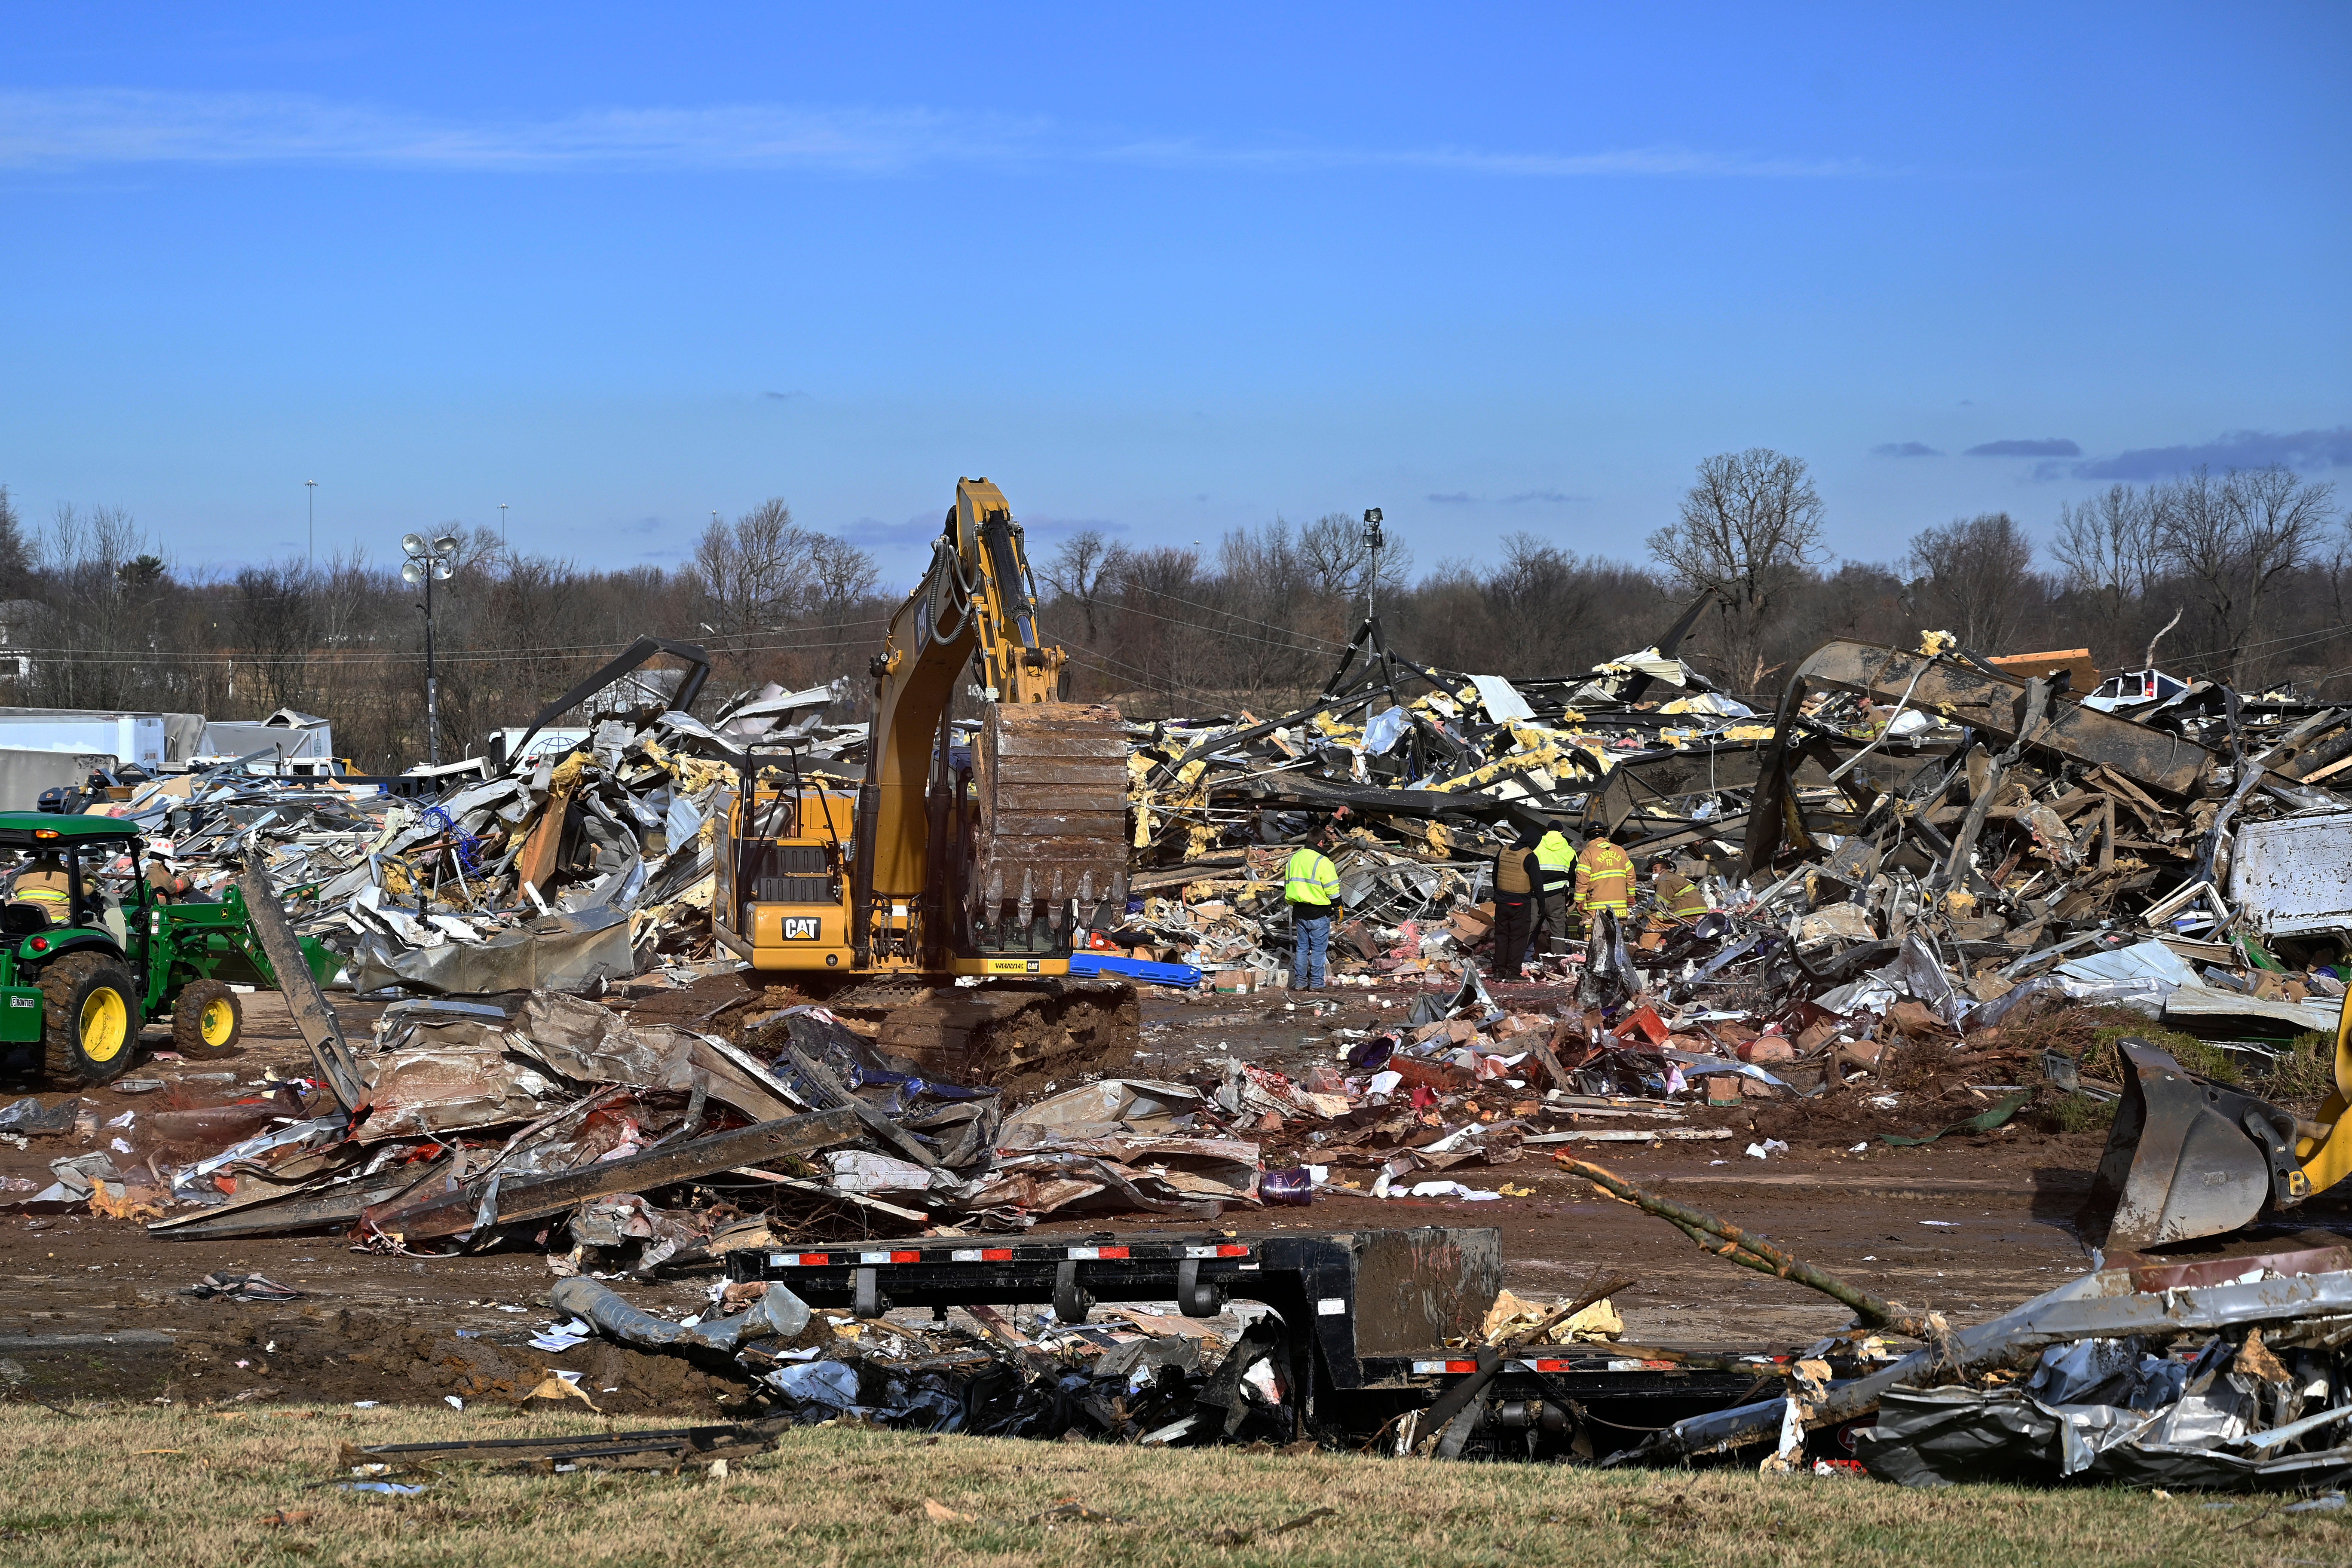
<point x="217" y="1022"/>
<point x="105" y="1024"/>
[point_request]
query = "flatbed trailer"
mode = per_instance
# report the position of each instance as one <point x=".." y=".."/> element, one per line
<point x="1365" y="1317"/>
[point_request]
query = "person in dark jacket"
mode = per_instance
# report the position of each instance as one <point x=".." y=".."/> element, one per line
<point x="1519" y="901"/>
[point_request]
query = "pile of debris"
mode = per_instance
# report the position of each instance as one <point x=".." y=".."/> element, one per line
<point x="574" y="868"/>
<point x="2224" y="1373"/>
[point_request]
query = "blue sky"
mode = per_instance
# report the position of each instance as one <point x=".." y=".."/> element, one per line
<point x="1169" y="271"/>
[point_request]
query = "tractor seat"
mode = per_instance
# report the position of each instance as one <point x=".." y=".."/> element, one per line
<point x="22" y="919"/>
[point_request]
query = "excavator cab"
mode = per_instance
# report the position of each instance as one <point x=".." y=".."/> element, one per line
<point x="2188" y="1157"/>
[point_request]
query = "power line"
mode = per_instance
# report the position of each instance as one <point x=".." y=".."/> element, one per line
<point x="1224" y="632"/>
<point x="1236" y="614"/>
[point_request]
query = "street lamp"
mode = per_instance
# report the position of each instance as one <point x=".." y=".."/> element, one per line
<point x="502" y="526"/>
<point x="430" y="561"/>
<point x="1373" y="540"/>
<point x="312" y="485"/>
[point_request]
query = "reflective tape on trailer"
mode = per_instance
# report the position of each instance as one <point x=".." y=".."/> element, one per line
<point x="1427" y="1366"/>
<point x="799" y="1260"/>
<point x="1223" y="1250"/>
<point x="1088" y="1252"/>
<point x="981" y="1254"/>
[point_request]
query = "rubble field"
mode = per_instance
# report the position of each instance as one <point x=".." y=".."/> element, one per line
<point x="415" y="1332"/>
<point x="1851" y="996"/>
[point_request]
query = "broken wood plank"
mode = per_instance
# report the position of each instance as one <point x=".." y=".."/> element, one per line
<point x="312" y="1015"/>
<point x="537" y="1197"/>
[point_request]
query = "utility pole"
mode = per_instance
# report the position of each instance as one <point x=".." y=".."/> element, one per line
<point x="429" y="560"/>
<point x="1372" y="542"/>
<point x="502" y="527"/>
<point x="313" y="486"/>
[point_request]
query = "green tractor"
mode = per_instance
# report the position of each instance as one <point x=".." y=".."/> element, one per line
<point x="88" y="953"/>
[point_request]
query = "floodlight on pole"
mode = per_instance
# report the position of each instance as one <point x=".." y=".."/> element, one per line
<point x="1373" y="540"/>
<point x="430" y="561"/>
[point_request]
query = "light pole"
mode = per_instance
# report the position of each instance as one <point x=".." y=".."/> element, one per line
<point x="313" y="486"/>
<point x="430" y="561"/>
<point x="502" y="527"/>
<point x="1372" y="542"/>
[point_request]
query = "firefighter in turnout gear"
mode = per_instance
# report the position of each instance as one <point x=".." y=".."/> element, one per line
<point x="1310" y="885"/>
<point x="1604" y="877"/>
<point x="1675" y="900"/>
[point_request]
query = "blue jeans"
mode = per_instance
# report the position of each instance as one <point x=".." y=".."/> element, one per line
<point x="1313" y="937"/>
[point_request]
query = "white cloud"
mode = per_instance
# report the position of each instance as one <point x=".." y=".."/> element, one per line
<point x="81" y="128"/>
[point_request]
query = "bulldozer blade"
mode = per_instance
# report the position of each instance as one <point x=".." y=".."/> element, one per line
<point x="2186" y="1158"/>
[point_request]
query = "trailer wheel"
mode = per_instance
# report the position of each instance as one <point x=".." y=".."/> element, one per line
<point x="207" y="1018"/>
<point x="89" y="1026"/>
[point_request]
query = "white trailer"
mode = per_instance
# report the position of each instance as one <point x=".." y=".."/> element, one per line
<point x="128" y="738"/>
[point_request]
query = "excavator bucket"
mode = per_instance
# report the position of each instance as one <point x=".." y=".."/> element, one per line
<point x="1049" y="780"/>
<point x="2186" y="1158"/>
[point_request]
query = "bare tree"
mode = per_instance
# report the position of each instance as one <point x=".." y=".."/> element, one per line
<point x="840" y="575"/>
<point x="1540" y="599"/>
<point x="2232" y="538"/>
<point x="1157" y="638"/>
<point x="16" y="555"/>
<point x="1339" y="563"/>
<point x="1750" y="530"/>
<point x="1976" y="575"/>
<point x="104" y="589"/>
<point x="753" y="573"/>
<point x="2107" y="544"/>
<point x="277" y="627"/>
<point x="1085" y="567"/>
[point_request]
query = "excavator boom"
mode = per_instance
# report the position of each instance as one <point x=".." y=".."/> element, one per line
<point x="948" y="859"/>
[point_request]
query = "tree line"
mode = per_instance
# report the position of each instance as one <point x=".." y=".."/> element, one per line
<point x="98" y="619"/>
<point x="2243" y="576"/>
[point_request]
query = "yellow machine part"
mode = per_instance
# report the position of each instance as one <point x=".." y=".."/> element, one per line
<point x="2328" y="1160"/>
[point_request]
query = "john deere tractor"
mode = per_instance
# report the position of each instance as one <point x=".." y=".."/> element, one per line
<point x="88" y="953"/>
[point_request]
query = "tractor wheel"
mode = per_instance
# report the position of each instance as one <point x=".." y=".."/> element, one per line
<point x="89" y="1026"/>
<point x="206" y="1018"/>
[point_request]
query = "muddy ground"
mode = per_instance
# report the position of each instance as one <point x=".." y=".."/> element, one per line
<point x="93" y="1308"/>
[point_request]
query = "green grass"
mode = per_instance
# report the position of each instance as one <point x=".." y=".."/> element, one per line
<point x="79" y="1490"/>
<point x="2305" y="1073"/>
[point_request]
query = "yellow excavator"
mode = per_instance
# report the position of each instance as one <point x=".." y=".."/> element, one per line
<point x="945" y="895"/>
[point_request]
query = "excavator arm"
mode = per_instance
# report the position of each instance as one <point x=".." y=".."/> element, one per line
<point x="934" y="843"/>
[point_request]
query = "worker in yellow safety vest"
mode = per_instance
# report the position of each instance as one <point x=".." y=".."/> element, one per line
<point x="1310" y="884"/>
<point x="1556" y="866"/>
<point x="1604" y="877"/>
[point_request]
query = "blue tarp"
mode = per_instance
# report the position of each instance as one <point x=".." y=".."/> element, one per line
<point x="1181" y="976"/>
